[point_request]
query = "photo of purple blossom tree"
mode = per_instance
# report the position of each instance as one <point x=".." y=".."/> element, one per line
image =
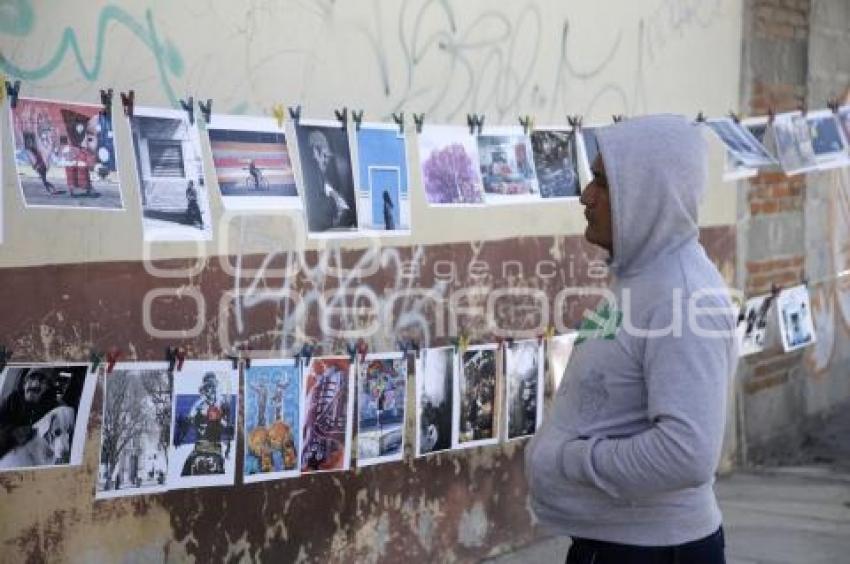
<point x="449" y="166"/>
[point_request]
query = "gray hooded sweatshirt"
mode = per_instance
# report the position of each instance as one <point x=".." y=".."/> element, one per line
<point x="629" y="446"/>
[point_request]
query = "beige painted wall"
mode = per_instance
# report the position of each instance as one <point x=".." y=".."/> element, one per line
<point x="544" y="58"/>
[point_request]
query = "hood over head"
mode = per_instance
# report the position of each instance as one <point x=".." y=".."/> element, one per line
<point x="657" y="170"/>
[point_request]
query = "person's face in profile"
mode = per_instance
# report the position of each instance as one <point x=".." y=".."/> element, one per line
<point x="597" y="208"/>
<point x="35" y="385"/>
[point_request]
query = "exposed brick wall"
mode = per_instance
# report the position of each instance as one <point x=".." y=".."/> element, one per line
<point x="773" y="192"/>
<point x="783" y="272"/>
<point x="781" y="19"/>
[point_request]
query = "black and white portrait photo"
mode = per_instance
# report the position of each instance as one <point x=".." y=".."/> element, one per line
<point x="795" y="318"/>
<point x="44" y="410"/>
<point x="326" y="176"/>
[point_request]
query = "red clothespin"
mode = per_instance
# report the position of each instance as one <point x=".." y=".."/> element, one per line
<point x="111" y="358"/>
<point x="362" y="349"/>
<point x="175" y="357"/>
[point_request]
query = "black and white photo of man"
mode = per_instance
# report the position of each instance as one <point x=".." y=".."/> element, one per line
<point x="327" y="177"/>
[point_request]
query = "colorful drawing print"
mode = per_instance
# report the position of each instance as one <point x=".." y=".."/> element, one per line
<point x="793" y="143"/>
<point x="476" y="417"/>
<point x="135" y="431"/>
<point x="752" y="324"/>
<point x="252" y="162"/>
<point x="65" y="155"/>
<point x="556" y="162"/>
<point x="327" y="422"/>
<point x="382" y="396"/>
<point x="449" y="157"/>
<point x="507" y="166"/>
<point x="383" y="197"/>
<point x="435" y="377"/>
<point x="795" y="318"/>
<point x="44" y="410"/>
<point x="175" y="202"/>
<point x="272" y="420"/>
<point x="203" y="429"/>
<point x="326" y="176"/>
<point x="524" y="376"/>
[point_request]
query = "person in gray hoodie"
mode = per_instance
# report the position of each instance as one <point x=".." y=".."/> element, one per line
<point x="625" y="459"/>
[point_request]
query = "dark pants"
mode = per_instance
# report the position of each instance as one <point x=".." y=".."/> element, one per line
<point x="708" y="550"/>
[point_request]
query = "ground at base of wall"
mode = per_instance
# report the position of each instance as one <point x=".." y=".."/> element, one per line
<point x="821" y="441"/>
<point x="793" y="507"/>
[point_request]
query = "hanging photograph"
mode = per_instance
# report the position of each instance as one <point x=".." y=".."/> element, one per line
<point x="524" y="377"/>
<point x="559" y="348"/>
<point x="793" y="143"/>
<point x="843" y="116"/>
<point x="795" y="318"/>
<point x="327" y="181"/>
<point x="476" y="417"/>
<point x="135" y="430"/>
<point x="328" y="414"/>
<point x="752" y="324"/>
<point x="448" y="157"/>
<point x="44" y="411"/>
<point x="203" y="428"/>
<point x="272" y="421"/>
<point x="745" y="154"/>
<point x="758" y="126"/>
<point x="65" y="155"/>
<point x="556" y="162"/>
<point x="507" y="166"/>
<point x="435" y="376"/>
<point x="828" y="140"/>
<point x="169" y="169"/>
<point x="381" y="401"/>
<point x="252" y="163"/>
<point x="587" y="149"/>
<point x="383" y="197"/>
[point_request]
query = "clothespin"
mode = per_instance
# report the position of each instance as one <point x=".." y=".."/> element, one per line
<point x="407" y="345"/>
<point x="233" y="357"/>
<point x="5" y="355"/>
<point x="771" y="114"/>
<point x="295" y="113"/>
<point x="419" y="121"/>
<point x="111" y="358"/>
<point x="461" y="343"/>
<point x="206" y="110"/>
<point x="245" y="353"/>
<point x="95" y="358"/>
<point x="805" y="281"/>
<point x="774" y="289"/>
<point x="362" y="349"/>
<point x="342" y="117"/>
<point x="358" y="119"/>
<point x="399" y="121"/>
<point x="527" y="123"/>
<point x="352" y="351"/>
<point x="700" y="117"/>
<point x="304" y="355"/>
<point x="475" y="123"/>
<point x="175" y="357"/>
<point x="575" y="121"/>
<point x="189" y="105"/>
<point x="506" y="342"/>
<point x="12" y="89"/>
<point x="832" y="104"/>
<point x="804" y="108"/>
<point x="106" y="101"/>
<point x="128" y="100"/>
<point x="735" y="117"/>
<point x="618" y="118"/>
<point x="279" y="114"/>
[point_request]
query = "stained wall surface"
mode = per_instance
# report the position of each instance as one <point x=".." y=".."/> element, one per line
<point x="77" y="280"/>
